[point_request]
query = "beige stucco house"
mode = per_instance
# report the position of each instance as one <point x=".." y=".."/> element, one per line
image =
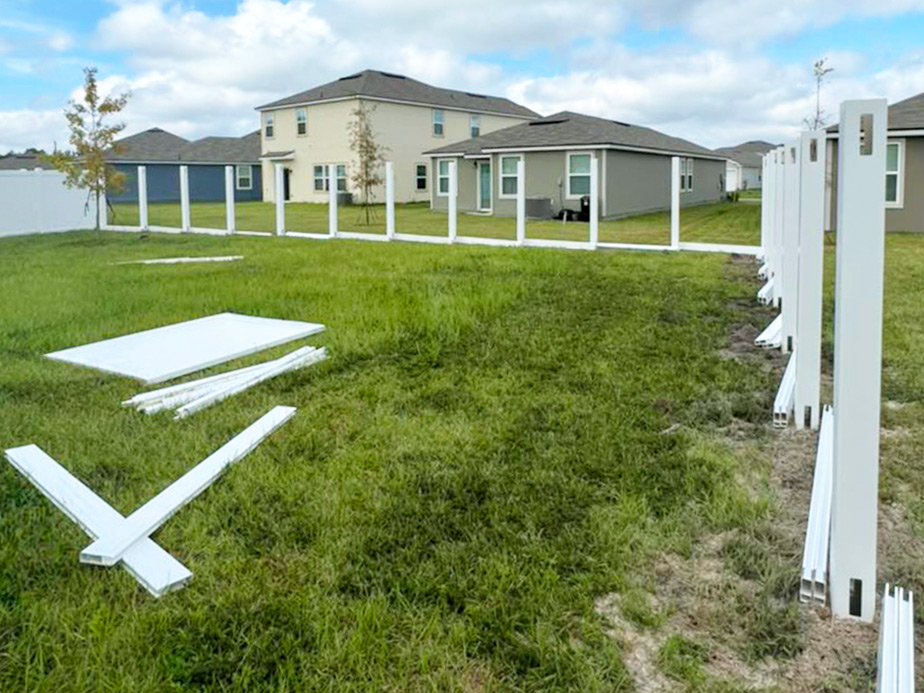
<point x="307" y="132"/>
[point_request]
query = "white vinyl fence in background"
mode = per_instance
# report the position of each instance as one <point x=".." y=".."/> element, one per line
<point x="37" y="201"/>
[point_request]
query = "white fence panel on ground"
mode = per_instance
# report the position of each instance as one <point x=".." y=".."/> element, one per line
<point x="39" y="202"/>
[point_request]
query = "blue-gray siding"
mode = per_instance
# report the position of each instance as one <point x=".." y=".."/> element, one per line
<point x="206" y="183"/>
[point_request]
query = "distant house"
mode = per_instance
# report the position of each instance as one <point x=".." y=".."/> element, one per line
<point x="634" y="168"/>
<point x="15" y="162"/>
<point x="162" y="153"/>
<point x="307" y="132"/>
<point x="744" y="164"/>
<point x="904" y="183"/>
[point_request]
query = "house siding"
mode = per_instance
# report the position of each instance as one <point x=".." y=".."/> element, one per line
<point x="206" y="183"/>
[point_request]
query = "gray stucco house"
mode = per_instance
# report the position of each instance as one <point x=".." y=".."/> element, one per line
<point x="162" y="153"/>
<point x="744" y="165"/>
<point x="904" y="183"/>
<point x="634" y="168"/>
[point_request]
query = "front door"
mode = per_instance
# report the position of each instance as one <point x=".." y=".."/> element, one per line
<point x="484" y="186"/>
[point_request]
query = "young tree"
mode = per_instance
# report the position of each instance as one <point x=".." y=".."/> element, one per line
<point x="820" y="119"/>
<point x="367" y="173"/>
<point x="92" y="139"/>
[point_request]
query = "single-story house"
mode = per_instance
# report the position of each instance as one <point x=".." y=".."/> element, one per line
<point x="744" y="164"/>
<point x="634" y="168"/>
<point x="17" y="162"/>
<point x="162" y="153"/>
<point x="904" y="183"/>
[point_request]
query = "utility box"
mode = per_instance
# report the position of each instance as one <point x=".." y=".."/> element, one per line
<point x="538" y="208"/>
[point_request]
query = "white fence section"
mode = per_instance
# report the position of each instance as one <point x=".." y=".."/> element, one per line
<point x="37" y="201"/>
<point x="896" y="642"/>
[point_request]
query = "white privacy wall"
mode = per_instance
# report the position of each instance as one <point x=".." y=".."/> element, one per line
<point x="36" y="201"/>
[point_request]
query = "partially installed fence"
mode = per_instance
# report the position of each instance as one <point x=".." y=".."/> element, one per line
<point x="839" y="559"/>
<point x="452" y="235"/>
<point x="37" y="201"/>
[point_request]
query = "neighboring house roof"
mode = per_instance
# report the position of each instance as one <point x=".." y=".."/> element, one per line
<point x="904" y="115"/>
<point x="748" y="154"/>
<point x="15" y="162"/>
<point x="159" y="146"/>
<point x="567" y="129"/>
<point x="391" y="87"/>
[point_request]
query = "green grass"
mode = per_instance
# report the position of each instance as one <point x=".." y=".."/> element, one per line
<point x="717" y="223"/>
<point x="752" y="194"/>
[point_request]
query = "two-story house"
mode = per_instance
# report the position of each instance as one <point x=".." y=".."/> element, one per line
<point x="308" y="132"/>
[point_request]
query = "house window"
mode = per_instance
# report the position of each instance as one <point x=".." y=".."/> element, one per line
<point x="686" y="175"/>
<point x="474" y="125"/>
<point x="322" y="177"/>
<point x="420" y="175"/>
<point x="578" y="175"/>
<point x="894" y="165"/>
<point x="268" y="125"/>
<point x="508" y="176"/>
<point x="438" y="122"/>
<point x="244" y="175"/>
<point x="442" y="177"/>
<point x="301" y="121"/>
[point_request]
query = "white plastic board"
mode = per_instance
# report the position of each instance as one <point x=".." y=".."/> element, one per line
<point x="164" y="353"/>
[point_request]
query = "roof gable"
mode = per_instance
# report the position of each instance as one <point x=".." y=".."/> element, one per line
<point x="151" y="145"/>
<point x="156" y="145"/>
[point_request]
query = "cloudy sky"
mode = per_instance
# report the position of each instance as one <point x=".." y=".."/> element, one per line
<point x="714" y="71"/>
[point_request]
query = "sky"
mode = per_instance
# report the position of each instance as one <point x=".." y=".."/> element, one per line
<point x="717" y="72"/>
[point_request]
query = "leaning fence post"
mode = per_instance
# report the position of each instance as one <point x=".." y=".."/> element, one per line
<point x="858" y="355"/>
<point x="675" y="202"/>
<point x="143" y="197"/>
<point x="229" y="199"/>
<point x="184" y="198"/>
<point x="453" y="200"/>
<point x="811" y="272"/>
<point x="521" y="202"/>
<point x="280" y="201"/>
<point x="594" y="203"/>
<point x="389" y="200"/>
<point x="332" y="201"/>
<point x="790" y="257"/>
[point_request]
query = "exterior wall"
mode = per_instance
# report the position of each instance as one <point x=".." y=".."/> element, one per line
<point x="910" y="217"/>
<point x="405" y="130"/>
<point x="750" y="178"/>
<point x="206" y="183"/>
<point x="732" y="176"/>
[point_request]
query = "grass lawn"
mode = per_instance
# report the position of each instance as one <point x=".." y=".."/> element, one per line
<point x="751" y="194"/>
<point x="501" y="439"/>
<point x="718" y="223"/>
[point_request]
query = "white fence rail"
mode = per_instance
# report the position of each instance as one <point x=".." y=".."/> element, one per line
<point x="37" y="201"/>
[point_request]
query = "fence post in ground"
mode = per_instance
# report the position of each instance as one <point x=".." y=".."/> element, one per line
<point x="790" y="257"/>
<point x="765" y="199"/>
<point x="779" y="208"/>
<point x="143" y="197"/>
<point x="229" y="199"/>
<point x="811" y="272"/>
<point x="280" y="201"/>
<point x="521" y="202"/>
<point x="389" y="200"/>
<point x="184" y="198"/>
<point x="858" y="355"/>
<point x="675" y="202"/>
<point x="594" y="203"/>
<point x="332" y="201"/>
<point x="453" y="200"/>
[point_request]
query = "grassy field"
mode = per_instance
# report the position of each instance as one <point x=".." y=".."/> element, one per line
<point x="725" y="222"/>
<point x="501" y="440"/>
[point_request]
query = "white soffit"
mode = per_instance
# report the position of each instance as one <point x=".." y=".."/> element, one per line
<point x="164" y="353"/>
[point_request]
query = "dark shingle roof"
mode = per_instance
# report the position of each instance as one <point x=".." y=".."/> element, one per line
<point x="14" y="162"/>
<point x="747" y="153"/>
<point x="574" y="129"/>
<point x="156" y="145"/>
<point x="223" y="149"/>
<point x="904" y="115"/>
<point x="151" y="145"/>
<point x="385" y="85"/>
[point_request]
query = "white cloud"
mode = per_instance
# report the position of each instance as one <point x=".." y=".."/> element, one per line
<point x="31" y="128"/>
<point x="60" y="41"/>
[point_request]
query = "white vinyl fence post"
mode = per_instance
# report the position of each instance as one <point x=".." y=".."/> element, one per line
<point x="675" y="202"/>
<point x="521" y="202"/>
<point x="811" y="272"/>
<point x="453" y="200"/>
<point x="184" y="198"/>
<point x="280" y="201"/>
<point x="594" y="202"/>
<point x="791" y="246"/>
<point x="332" y="201"/>
<point x="779" y="205"/>
<point x="389" y="200"/>
<point x="143" y="197"/>
<point x="229" y="199"/>
<point x="858" y="356"/>
<point x="765" y="194"/>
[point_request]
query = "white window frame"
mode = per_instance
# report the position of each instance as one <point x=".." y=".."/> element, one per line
<point x="686" y="171"/>
<point x="269" y="125"/>
<point x="501" y="195"/>
<point x="237" y="176"/>
<point x="325" y="177"/>
<point x="440" y="177"/>
<point x="568" y="194"/>
<point x="418" y="177"/>
<point x="899" y="174"/>
<point x="301" y="116"/>
<point x="438" y="117"/>
<point x="474" y="122"/>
